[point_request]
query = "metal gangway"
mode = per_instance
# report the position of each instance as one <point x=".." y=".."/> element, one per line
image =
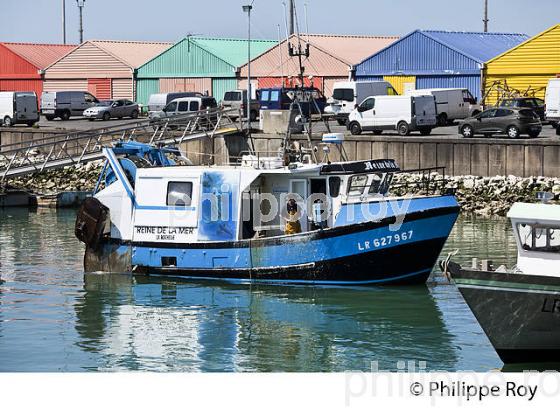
<point x="64" y="149"/>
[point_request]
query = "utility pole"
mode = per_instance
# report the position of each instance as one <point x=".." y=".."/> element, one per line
<point x="63" y="21"/>
<point x="81" y="4"/>
<point x="291" y="17"/>
<point x="485" y="16"/>
<point x="247" y="9"/>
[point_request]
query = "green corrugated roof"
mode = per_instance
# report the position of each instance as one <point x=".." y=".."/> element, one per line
<point x="233" y="50"/>
<point x="203" y="57"/>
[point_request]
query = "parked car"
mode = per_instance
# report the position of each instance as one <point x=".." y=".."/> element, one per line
<point x="535" y="104"/>
<point x="452" y="103"/>
<point x="157" y="102"/>
<point x="510" y="121"/>
<point x="184" y="106"/>
<point x="105" y="110"/>
<point x="238" y="99"/>
<point x="403" y="113"/>
<point x="552" y="100"/>
<point x="66" y="104"/>
<point x="346" y="94"/>
<point x="18" y="108"/>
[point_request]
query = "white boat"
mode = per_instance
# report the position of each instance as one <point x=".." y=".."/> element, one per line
<point x="519" y="308"/>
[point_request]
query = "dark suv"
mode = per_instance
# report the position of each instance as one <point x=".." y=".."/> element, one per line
<point x="510" y="121"/>
<point x="535" y="104"/>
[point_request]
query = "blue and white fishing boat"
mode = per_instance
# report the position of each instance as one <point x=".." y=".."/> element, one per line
<point x="154" y="213"/>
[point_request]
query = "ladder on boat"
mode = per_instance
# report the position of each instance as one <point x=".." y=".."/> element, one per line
<point x="64" y="149"/>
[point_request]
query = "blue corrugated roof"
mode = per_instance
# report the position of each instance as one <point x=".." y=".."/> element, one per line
<point x="479" y="46"/>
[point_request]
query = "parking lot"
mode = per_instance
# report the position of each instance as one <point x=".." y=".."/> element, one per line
<point x="81" y="124"/>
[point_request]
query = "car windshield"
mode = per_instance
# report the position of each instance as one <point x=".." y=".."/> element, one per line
<point x="104" y="103"/>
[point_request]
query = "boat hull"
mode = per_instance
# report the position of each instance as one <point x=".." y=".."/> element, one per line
<point x="368" y="253"/>
<point x="519" y="313"/>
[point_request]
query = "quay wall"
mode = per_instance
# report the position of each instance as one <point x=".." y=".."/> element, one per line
<point x="476" y="156"/>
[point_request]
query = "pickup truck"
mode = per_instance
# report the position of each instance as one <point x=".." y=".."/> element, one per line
<point x="238" y="99"/>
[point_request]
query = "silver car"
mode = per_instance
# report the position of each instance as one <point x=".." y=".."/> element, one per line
<point x="105" y="110"/>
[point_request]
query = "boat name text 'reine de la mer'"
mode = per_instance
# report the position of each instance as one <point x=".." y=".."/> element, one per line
<point x="164" y="230"/>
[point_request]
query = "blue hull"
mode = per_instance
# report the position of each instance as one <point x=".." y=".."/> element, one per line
<point x="364" y="253"/>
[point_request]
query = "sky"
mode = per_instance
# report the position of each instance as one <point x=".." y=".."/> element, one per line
<point x="170" y="20"/>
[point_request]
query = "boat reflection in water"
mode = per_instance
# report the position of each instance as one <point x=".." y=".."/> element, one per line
<point x="147" y="323"/>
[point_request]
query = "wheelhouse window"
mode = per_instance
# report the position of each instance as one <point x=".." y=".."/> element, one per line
<point x="275" y="95"/>
<point x="357" y="185"/>
<point x="539" y="238"/>
<point x="334" y="186"/>
<point x="179" y="193"/>
<point x="376" y="180"/>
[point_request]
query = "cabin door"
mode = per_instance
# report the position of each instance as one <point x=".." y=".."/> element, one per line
<point x="299" y="187"/>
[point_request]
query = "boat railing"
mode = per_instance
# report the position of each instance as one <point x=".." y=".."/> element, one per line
<point x="429" y="181"/>
<point x="258" y="159"/>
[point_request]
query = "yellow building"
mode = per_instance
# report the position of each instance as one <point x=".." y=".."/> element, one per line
<point x="525" y="69"/>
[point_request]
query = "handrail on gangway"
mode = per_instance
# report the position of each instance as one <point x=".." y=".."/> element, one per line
<point x="60" y="150"/>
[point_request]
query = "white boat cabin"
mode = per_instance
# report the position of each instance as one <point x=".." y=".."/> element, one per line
<point x="537" y="232"/>
<point x="185" y="204"/>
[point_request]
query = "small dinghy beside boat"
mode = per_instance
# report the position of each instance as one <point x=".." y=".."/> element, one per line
<point x="151" y="215"/>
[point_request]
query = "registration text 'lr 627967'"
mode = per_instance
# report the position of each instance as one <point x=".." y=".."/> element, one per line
<point x="386" y="240"/>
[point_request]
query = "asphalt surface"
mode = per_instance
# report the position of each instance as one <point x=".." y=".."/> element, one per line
<point x="81" y="124"/>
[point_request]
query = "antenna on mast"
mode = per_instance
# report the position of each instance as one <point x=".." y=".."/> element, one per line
<point x="306" y="22"/>
<point x="291" y="16"/>
<point x="485" y="20"/>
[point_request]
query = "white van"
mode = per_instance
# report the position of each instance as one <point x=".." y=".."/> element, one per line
<point x="66" y="104"/>
<point x="402" y="113"/>
<point x="452" y="103"/>
<point x="157" y="102"/>
<point x="347" y="94"/>
<point x="552" y="102"/>
<point x="184" y="106"/>
<point x="18" y="108"/>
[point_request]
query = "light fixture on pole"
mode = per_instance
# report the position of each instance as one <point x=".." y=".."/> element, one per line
<point x="247" y="9"/>
<point x="81" y="4"/>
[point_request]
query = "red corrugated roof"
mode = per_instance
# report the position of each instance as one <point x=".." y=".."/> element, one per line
<point x="331" y="55"/>
<point x="40" y="55"/>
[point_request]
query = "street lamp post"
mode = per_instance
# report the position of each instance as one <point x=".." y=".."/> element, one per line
<point x="247" y="9"/>
<point x="81" y="4"/>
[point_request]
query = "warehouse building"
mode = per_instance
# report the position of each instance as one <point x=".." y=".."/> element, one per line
<point x="206" y="65"/>
<point x="525" y="69"/>
<point x="104" y="68"/>
<point x="437" y="59"/>
<point x="21" y="64"/>
<point x="331" y="59"/>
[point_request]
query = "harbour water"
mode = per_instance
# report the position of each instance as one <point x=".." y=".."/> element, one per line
<point x="53" y="318"/>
